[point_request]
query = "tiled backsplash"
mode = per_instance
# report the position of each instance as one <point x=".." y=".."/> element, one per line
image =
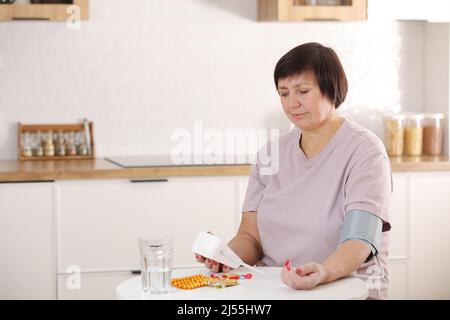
<point x="140" y="69"/>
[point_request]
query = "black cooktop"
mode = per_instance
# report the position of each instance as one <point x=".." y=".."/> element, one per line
<point x="166" y="161"/>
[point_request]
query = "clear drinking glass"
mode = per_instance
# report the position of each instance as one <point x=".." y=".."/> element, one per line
<point x="156" y="262"/>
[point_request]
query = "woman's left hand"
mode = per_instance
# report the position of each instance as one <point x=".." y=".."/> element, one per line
<point x="303" y="277"/>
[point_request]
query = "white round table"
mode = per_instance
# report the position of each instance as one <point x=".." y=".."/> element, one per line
<point x="267" y="286"/>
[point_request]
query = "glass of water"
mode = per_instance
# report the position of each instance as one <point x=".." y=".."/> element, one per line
<point x="156" y="262"/>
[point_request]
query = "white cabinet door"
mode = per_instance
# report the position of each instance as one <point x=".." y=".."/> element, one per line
<point x="398" y="248"/>
<point x="397" y="215"/>
<point x="27" y="267"/>
<point x="429" y="263"/>
<point x="91" y="286"/>
<point x="99" y="221"/>
<point x="430" y="10"/>
<point x="397" y="280"/>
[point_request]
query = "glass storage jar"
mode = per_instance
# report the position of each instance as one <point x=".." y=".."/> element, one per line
<point x="413" y="135"/>
<point x="393" y="133"/>
<point x="433" y="134"/>
<point x="329" y="2"/>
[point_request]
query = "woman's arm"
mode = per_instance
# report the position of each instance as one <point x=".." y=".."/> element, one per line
<point x="247" y="244"/>
<point x="348" y="257"/>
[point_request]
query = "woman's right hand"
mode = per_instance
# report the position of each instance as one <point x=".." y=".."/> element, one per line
<point x="215" y="266"/>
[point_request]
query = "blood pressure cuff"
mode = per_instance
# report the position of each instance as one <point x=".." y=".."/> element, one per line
<point x="363" y="226"/>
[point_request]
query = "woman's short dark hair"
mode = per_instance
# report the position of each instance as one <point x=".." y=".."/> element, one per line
<point x="321" y="60"/>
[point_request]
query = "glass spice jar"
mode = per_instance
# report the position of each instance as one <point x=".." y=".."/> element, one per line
<point x="394" y="133"/>
<point x="60" y="148"/>
<point x="26" y="144"/>
<point x="49" y="148"/>
<point x="433" y="134"/>
<point x="413" y="135"/>
<point x="70" y="144"/>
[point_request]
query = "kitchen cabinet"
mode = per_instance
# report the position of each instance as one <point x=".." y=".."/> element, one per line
<point x="397" y="214"/>
<point x="301" y="10"/>
<point x="419" y="259"/>
<point x="430" y="10"/>
<point x="51" y="12"/>
<point x="429" y="239"/>
<point x="398" y="248"/>
<point x="397" y="280"/>
<point x="99" y="221"/>
<point x="27" y="243"/>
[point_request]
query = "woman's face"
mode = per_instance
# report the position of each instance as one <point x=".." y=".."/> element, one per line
<point x="303" y="102"/>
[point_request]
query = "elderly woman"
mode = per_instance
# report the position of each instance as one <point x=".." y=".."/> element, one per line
<point x="324" y="214"/>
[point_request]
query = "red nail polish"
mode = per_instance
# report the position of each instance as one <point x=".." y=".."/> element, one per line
<point x="298" y="270"/>
<point x="287" y="264"/>
<point x="215" y="263"/>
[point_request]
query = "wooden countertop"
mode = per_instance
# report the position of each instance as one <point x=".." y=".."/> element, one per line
<point x="13" y="170"/>
<point x="425" y="163"/>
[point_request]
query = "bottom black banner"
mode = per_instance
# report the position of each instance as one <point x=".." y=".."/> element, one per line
<point x="227" y="309"/>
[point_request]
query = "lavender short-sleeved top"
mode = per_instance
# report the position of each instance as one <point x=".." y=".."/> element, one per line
<point x="301" y="208"/>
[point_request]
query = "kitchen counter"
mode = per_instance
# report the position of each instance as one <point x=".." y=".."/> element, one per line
<point x="14" y="170"/>
<point x="425" y="163"/>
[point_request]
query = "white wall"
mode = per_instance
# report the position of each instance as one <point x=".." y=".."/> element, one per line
<point x="141" y="68"/>
<point x="437" y="72"/>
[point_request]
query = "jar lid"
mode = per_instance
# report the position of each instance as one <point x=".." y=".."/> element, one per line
<point x="395" y="116"/>
<point x="433" y="115"/>
<point x="415" y="116"/>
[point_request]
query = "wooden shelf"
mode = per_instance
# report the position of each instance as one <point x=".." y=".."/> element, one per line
<point x="297" y="10"/>
<point x="34" y="158"/>
<point x="50" y="12"/>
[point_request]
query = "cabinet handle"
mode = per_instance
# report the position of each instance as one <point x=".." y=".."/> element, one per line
<point x="31" y="181"/>
<point x="26" y="18"/>
<point x="324" y="19"/>
<point x="148" y="180"/>
<point x="135" y="271"/>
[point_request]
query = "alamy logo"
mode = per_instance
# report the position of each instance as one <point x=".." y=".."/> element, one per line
<point x="376" y="274"/>
<point x="229" y="146"/>
<point x="74" y="20"/>
<point x="73" y="282"/>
